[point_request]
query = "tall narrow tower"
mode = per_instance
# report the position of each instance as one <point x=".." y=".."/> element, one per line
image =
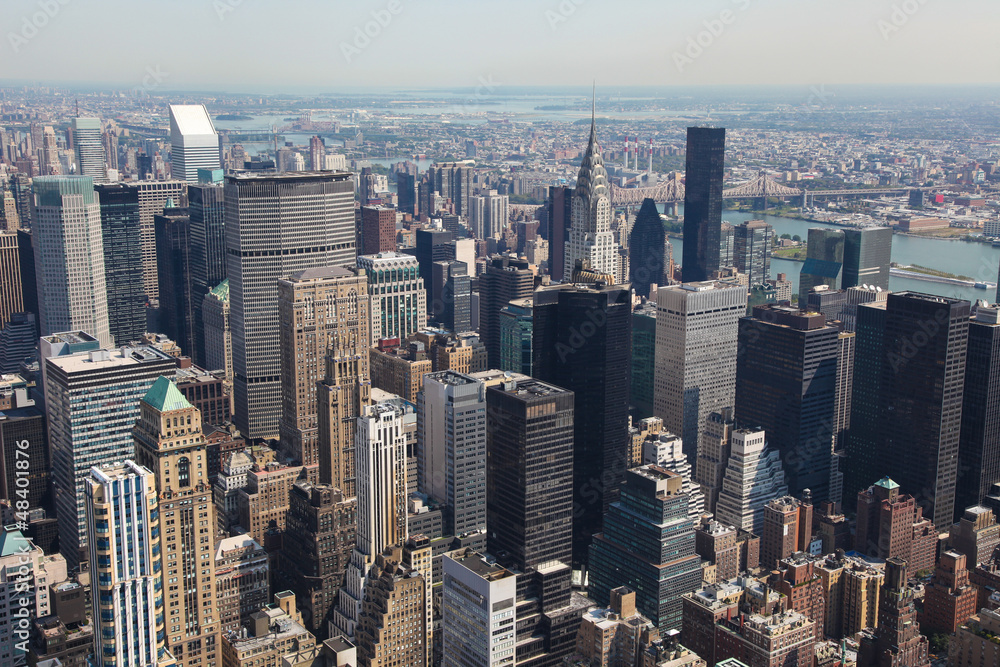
<point x="170" y="443"/>
<point x="590" y="237"/>
<point x="706" y="156"/>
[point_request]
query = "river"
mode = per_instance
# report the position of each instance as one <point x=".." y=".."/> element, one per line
<point x="976" y="260"/>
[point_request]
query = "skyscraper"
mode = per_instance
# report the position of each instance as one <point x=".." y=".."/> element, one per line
<point x="864" y="455"/>
<point x="489" y="215"/>
<point x="589" y="238"/>
<point x="478" y="602"/>
<point x="752" y="244"/>
<point x="316" y="548"/>
<point x="453" y="180"/>
<point x="714" y="449"/>
<point x="346" y="386"/>
<point x="173" y="269"/>
<point x="11" y="291"/>
<point x="695" y="374"/>
<point x="647" y="247"/>
<point x="153" y="198"/>
<point x="451" y="427"/>
<point x="921" y="357"/>
<point x="275" y="225"/>
<point x="378" y="230"/>
<point x="530" y="442"/>
<point x="786" y="382"/>
<point x="753" y="477"/>
<point x="896" y="641"/>
<point x="169" y="442"/>
<point x="867" y="253"/>
<point x="705" y="165"/>
<point x="406" y="188"/>
<point x="317" y="154"/>
<point x="393" y="625"/>
<point x="127" y="588"/>
<point x="207" y="214"/>
<point x="315" y="306"/>
<point x="824" y="263"/>
<point x="516" y="327"/>
<point x="194" y="143"/>
<point x="582" y="342"/>
<point x="558" y="214"/>
<point x="451" y="303"/>
<point x="217" y="332"/>
<point x="433" y="245"/>
<point x="92" y="401"/>
<point x="122" y="261"/>
<point x="89" y="148"/>
<point x="647" y="544"/>
<point x="69" y="257"/>
<point x="979" y="447"/>
<point x="504" y="280"/>
<point x="381" y="488"/>
<point x="398" y="296"/>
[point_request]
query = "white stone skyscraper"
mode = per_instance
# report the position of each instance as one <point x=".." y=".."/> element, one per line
<point x="194" y="143"/>
<point x="754" y="476"/>
<point x="89" y="148"/>
<point x="380" y="449"/>
<point x="276" y="224"/>
<point x="590" y="237"/>
<point x="667" y="451"/>
<point x="69" y="257"/>
<point x="695" y="367"/>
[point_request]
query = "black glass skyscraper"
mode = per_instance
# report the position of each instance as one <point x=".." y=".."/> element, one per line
<point x="647" y="249"/>
<point x="706" y="158"/>
<point x="558" y="214"/>
<point x="122" y="261"/>
<point x="582" y="341"/>
<point x="865" y="460"/>
<point x="979" y="447"/>
<point x="824" y="263"/>
<point x="406" y="186"/>
<point x="207" y="209"/>
<point x="433" y="245"/>
<point x="529" y="505"/>
<point x="867" y="253"/>
<point x="786" y="381"/>
<point x="504" y="280"/>
<point x="752" y="245"/>
<point x="920" y="379"/>
<point x="173" y="265"/>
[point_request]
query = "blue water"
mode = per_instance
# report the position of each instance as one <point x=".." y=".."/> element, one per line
<point x="976" y="260"/>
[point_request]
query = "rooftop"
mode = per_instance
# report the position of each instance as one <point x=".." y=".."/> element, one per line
<point x="164" y="396"/>
<point x="101" y="359"/>
<point x="320" y="272"/>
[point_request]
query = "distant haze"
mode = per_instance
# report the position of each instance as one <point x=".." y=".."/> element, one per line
<point x="266" y="46"/>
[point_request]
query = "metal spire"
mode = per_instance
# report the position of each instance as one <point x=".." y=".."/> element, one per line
<point x="593" y="115"/>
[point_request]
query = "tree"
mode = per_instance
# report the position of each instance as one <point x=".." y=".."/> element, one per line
<point x="797" y="238"/>
<point x="786" y="236"/>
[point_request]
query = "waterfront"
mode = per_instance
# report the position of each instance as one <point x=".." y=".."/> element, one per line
<point x="976" y="260"/>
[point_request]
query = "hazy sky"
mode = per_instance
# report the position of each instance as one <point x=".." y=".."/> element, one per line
<point x="262" y="45"/>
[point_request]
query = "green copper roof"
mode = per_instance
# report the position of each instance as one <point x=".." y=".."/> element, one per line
<point x="165" y="396"/>
<point x="221" y="291"/>
<point x="11" y="542"/>
<point x="887" y="483"/>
